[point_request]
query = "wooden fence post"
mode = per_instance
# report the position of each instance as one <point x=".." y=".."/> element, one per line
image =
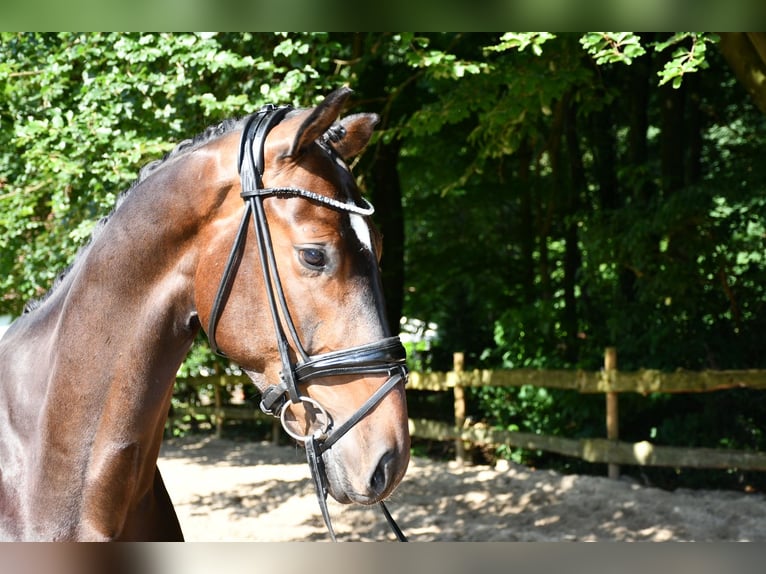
<point x="219" y="416"/>
<point x="612" y="409"/>
<point x="276" y="427"/>
<point x="458" y="363"/>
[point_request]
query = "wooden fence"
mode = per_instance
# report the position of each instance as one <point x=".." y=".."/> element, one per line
<point x="608" y="381"/>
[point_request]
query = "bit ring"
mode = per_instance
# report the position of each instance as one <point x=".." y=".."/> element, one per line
<point x="320" y="433"/>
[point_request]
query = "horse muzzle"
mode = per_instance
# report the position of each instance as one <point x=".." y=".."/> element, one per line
<point x="351" y="477"/>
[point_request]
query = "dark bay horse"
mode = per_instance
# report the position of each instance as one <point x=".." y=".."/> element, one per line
<point x="255" y="232"/>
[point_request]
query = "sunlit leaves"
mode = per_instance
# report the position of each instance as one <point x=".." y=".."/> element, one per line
<point x="688" y="55"/>
<point x="441" y="64"/>
<point x="520" y="41"/>
<point x="612" y="47"/>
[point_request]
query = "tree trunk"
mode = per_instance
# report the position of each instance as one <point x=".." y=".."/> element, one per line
<point x="638" y="125"/>
<point x="746" y="54"/>
<point x="572" y="256"/>
<point x="693" y="131"/>
<point x="671" y="138"/>
<point x="526" y="227"/>
<point x="379" y="164"/>
<point x="605" y="158"/>
<point x="389" y="216"/>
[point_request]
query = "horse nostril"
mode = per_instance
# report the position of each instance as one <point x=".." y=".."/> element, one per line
<point x="380" y="477"/>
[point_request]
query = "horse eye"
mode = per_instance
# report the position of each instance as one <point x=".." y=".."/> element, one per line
<point x="313" y="258"/>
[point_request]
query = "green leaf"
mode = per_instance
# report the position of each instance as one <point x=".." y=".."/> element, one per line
<point x="612" y="47"/>
<point x="688" y="57"/>
<point x="520" y="41"/>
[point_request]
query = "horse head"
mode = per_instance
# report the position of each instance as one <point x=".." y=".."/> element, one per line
<point x="295" y="298"/>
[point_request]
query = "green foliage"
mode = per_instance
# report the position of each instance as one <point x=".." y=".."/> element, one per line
<point x="671" y="275"/>
<point x="684" y="59"/>
<point x="687" y="57"/>
<point x="438" y="63"/>
<point x="536" y="410"/>
<point x="520" y="41"/>
<point x="81" y="113"/>
<point x="612" y="47"/>
<point x="525" y="336"/>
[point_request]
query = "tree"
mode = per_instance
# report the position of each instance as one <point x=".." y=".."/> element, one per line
<point x="746" y="54"/>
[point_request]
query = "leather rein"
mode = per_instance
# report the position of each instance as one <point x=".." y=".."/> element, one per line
<point x="384" y="357"/>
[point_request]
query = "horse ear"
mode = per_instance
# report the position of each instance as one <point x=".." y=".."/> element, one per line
<point x="358" y="130"/>
<point x="319" y="120"/>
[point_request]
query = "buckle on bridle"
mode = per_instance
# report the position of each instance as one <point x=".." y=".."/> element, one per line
<point x="273" y="399"/>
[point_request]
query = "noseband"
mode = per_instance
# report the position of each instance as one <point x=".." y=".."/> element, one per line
<point x="384" y="357"/>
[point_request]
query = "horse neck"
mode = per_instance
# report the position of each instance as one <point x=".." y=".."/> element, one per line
<point x="117" y="327"/>
<point x="129" y="299"/>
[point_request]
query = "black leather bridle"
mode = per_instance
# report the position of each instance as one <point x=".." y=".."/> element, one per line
<point x="384" y="357"/>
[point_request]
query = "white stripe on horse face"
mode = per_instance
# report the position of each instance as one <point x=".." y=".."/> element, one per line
<point x="362" y="230"/>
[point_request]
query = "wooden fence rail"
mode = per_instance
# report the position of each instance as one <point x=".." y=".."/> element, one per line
<point x="643" y="382"/>
<point x="608" y="381"/>
<point x="599" y="450"/>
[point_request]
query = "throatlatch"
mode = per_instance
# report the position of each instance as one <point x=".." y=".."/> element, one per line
<point x="384" y="357"/>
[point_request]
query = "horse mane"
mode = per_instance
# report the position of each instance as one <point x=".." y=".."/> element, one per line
<point x="185" y="146"/>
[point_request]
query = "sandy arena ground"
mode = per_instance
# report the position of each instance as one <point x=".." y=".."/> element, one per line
<point x="227" y="490"/>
